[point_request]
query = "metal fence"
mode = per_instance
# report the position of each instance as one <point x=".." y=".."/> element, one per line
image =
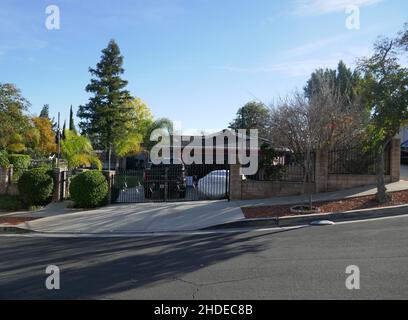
<point x="356" y="161"/>
<point x="291" y="167"/>
<point x="167" y="183"/>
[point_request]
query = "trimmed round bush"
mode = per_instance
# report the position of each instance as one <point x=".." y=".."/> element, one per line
<point x="4" y="161"/>
<point x="36" y="186"/>
<point x="89" y="189"/>
<point x="20" y="161"/>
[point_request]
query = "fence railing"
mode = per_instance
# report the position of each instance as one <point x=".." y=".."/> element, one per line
<point x="356" y="161"/>
<point x="291" y="167"/>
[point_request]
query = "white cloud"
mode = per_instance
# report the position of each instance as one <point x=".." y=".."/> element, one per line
<point x="305" y="66"/>
<point x="297" y="68"/>
<point x="322" y="7"/>
<point x="312" y="47"/>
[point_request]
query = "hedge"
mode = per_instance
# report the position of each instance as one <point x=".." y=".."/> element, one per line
<point x="36" y="186"/>
<point x="21" y="163"/>
<point x="4" y="161"/>
<point x="89" y="189"/>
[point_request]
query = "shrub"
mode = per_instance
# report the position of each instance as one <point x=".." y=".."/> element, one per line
<point x="36" y="186"/>
<point x="4" y="161"/>
<point x="89" y="189"/>
<point x="10" y="203"/>
<point x="21" y="163"/>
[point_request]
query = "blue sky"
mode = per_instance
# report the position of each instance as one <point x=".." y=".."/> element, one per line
<point x="193" y="61"/>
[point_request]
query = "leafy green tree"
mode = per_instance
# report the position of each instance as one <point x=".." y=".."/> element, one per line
<point x="105" y="116"/>
<point x="385" y="94"/>
<point x="254" y="115"/>
<point x="14" y="123"/>
<point x="78" y="151"/>
<point x="344" y="80"/>
<point x="136" y="130"/>
<point x="162" y="124"/>
<point x="403" y="38"/>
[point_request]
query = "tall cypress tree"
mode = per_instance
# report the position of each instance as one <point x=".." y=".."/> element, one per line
<point x="45" y="112"/>
<point x="71" y="121"/>
<point x="64" y="127"/>
<point x="105" y="116"/>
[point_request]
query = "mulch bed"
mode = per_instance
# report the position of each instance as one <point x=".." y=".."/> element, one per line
<point x="15" y="220"/>
<point x="366" y="202"/>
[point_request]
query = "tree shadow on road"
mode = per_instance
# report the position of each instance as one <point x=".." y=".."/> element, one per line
<point x="101" y="267"/>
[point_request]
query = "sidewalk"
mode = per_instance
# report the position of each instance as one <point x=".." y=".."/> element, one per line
<point x="162" y="217"/>
<point x="327" y="196"/>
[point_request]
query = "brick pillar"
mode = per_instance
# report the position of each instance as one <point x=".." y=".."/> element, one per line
<point x="235" y="182"/>
<point x="395" y="160"/>
<point x="110" y="176"/>
<point x="3" y="180"/>
<point x="56" y="197"/>
<point x="322" y="170"/>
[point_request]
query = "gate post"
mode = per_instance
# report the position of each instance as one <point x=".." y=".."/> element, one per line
<point x="395" y="160"/>
<point x="235" y="182"/>
<point x="166" y="184"/>
<point x="57" y="185"/>
<point x="110" y="176"/>
<point x="322" y="170"/>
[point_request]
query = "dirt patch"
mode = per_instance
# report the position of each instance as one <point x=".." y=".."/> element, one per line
<point x="366" y="202"/>
<point x="15" y="220"/>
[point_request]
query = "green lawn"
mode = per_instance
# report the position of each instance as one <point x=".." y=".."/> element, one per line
<point x="132" y="181"/>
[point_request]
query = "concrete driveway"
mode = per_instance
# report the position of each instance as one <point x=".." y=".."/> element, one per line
<point x="168" y="217"/>
<point x="141" y="217"/>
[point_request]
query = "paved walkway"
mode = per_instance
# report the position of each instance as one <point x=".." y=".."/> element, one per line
<point x="160" y="217"/>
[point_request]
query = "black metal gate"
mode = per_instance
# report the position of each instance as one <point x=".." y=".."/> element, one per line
<point x="171" y="183"/>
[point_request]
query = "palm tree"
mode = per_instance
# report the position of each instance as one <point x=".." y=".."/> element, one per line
<point x="78" y="151"/>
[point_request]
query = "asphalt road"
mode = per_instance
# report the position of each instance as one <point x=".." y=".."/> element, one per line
<point x="308" y="263"/>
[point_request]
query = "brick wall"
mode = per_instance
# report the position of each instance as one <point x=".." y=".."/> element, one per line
<point x="346" y="181"/>
<point x="267" y="189"/>
<point x="250" y="189"/>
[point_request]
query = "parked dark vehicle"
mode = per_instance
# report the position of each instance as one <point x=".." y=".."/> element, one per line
<point x="164" y="181"/>
<point x="404" y="153"/>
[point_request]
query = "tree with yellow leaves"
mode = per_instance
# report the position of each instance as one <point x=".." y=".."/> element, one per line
<point x="46" y="143"/>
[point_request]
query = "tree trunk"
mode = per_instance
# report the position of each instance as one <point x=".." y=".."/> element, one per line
<point x="382" y="196"/>
<point x="307" y="181"/>
<point x="109" y="157"/>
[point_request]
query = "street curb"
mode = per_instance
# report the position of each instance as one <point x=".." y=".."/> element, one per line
<point x="13" y="230"/>
<point x="291" y="221"/>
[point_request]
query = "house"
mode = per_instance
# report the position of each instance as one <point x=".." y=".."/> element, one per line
<point x="222" y="143"/>
<point x="403" y="135"/>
